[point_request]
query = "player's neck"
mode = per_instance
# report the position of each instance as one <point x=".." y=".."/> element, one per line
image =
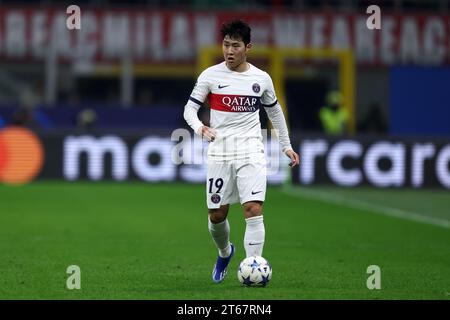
<point x="242" y="67"/>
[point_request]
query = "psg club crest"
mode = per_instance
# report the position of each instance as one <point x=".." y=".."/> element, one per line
<point x="256" y="87"/>
<point x="215" y="198"/>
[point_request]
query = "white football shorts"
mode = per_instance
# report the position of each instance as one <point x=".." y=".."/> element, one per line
<point x="233" y="181"/>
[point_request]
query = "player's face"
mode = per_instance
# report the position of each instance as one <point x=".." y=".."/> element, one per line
<point x="234" y="51"/>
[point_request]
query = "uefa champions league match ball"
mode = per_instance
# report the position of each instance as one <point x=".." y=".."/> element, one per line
<point x="254" y="271"/>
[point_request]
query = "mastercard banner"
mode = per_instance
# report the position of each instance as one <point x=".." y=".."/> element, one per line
<point x="148" y="157"/>
<point x="21" y="155"/>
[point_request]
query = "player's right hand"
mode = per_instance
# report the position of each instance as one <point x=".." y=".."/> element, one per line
<point x="208" y="133"/>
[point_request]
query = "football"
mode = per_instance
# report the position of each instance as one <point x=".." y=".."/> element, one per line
<point x="254" y="271"/>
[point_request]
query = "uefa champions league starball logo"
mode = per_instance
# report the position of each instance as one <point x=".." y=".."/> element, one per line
<point x="256" y="87"/>
<point x="215" y="198"/>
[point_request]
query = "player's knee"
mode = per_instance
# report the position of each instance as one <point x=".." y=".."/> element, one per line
<point x="217" y="215"/>
<point x="252" y="209"/>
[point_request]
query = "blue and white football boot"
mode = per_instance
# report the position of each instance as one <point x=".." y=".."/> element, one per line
<point x="220" y="268"/>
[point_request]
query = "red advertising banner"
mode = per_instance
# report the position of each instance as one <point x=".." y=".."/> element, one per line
<point x="175" y="36"/>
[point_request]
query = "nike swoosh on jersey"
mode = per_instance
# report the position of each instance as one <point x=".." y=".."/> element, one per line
<point x="254" y="244"/>
<point x="221" y="87"/>
<point x="256" y="192"/>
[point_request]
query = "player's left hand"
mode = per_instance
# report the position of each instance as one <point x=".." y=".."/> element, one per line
<point x="295" y="158"/>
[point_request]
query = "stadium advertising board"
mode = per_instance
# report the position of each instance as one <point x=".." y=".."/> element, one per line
<point x="349" y="162"/>
<point x="158" y="36"/>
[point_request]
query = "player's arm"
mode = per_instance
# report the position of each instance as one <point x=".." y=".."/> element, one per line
<point x="196" y="99"/>
<point x="276" y="116"/>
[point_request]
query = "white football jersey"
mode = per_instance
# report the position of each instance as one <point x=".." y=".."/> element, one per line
<point x="235" y="99"/>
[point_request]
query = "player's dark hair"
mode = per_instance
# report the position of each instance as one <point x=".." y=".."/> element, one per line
<point x="237" y="30"/>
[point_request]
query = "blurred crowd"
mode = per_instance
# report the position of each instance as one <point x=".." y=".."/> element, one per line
<point x="403" y="5"/>
<point x="92" y="102"/>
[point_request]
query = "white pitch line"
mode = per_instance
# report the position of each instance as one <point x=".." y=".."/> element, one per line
<point x="358" y="204"/>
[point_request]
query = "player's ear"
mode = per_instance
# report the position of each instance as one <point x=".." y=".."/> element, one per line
<point x="248" y="47"/>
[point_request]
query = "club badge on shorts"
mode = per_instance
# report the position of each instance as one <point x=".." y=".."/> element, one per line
<point x="215" y="198"/>
<point x="256" y="87"/>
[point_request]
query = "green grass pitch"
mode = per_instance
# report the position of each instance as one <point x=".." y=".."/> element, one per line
<point x="150" y="241"/>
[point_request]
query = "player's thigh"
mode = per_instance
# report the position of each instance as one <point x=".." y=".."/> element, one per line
<point x="219" y="184"/>
<point x="251" y="179"/>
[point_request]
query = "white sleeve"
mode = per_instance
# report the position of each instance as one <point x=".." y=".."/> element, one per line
<point x="191" y="117"/>
<point x="196" y="99"/>
<point x="276" y="116"/>
<point x="269" y="98"/>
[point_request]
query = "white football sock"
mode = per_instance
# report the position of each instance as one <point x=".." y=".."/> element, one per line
<point x="254" y="236"/>
<point x="220" y="233"/>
